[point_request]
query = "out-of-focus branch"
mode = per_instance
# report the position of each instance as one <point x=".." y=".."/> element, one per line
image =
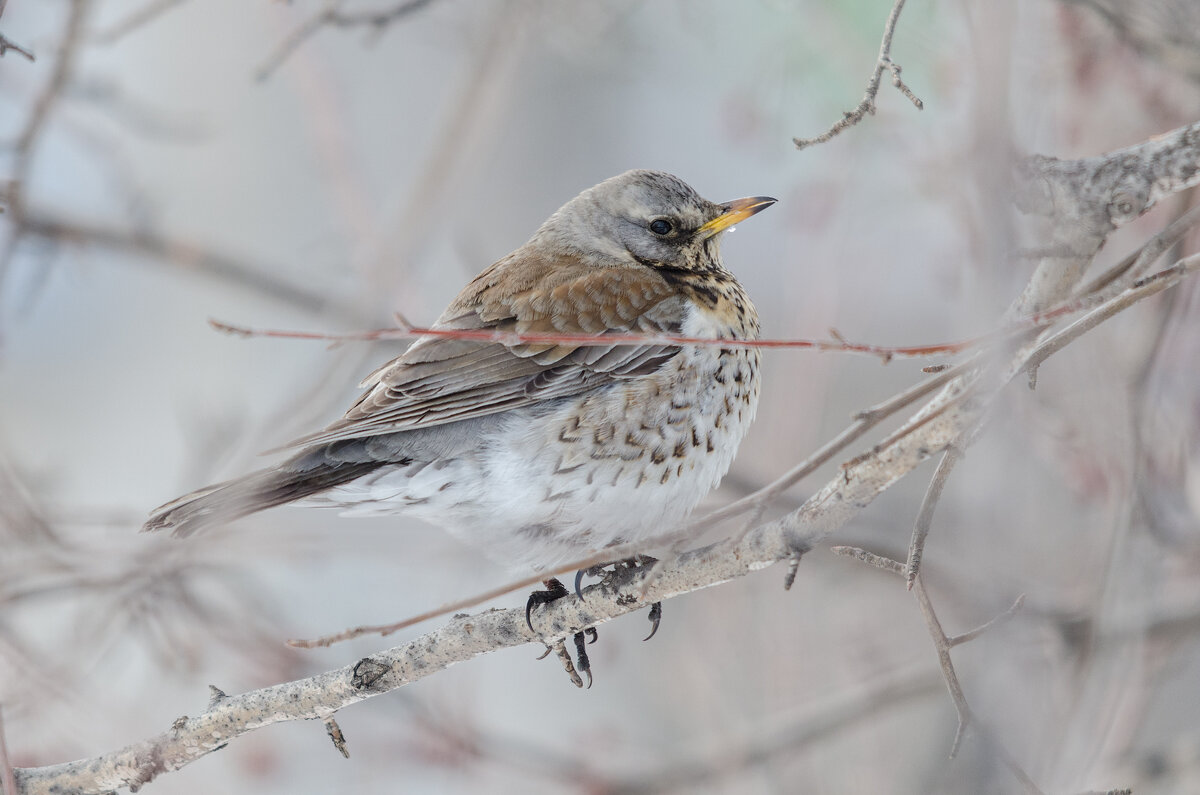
<point x="943" y="643"/>
<point x="7" y="778"/>
<point x="14" y="195"/>
<point x="1166" y="30"/>
<point x="135" y="19"/>
<point x="185" y="255"/>
<point x="334" y="17"/>
<point x="27" y="222"/>
<point x="68" y="50"/>
<point x="868" y="703"/>
<point x="7" y="44"/>
<point x="867" y="105"/>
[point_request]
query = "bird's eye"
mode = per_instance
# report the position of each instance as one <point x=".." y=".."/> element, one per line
<point x="661" y="226"/>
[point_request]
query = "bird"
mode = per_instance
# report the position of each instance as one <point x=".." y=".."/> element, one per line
<point x="540" y="452"/>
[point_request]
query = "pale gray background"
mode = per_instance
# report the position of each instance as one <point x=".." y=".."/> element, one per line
<point x="379" y="174"/>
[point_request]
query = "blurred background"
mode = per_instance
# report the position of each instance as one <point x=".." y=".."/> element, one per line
<point x="171" y="161"/>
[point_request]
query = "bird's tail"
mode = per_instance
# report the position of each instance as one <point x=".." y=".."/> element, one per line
<point x="224" y="502"/>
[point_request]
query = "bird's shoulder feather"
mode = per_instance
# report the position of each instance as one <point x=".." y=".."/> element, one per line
<point x="445" y="379"/>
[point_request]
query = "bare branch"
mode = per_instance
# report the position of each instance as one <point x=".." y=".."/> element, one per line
<point x="966" y="718"/>
<point x="916" y="547"/>
<point x="943" y="644"/>
<point x="867" y="105"/>
<point x="7" y="777"/>
<point x="1141" y="289"/>
<point x="407" y="330"/>
<point x="334" y="17"/>
<point x="67" y="52"/>
<point x="992" y="624"/>
<point x="848" y="710"/>
<point x="869" y="558"/>
<point x="135" y="20"/>
<point x="7" y="44"/>
<point x="1088" y="199"/>
<point x="463" y="638"/>
<point x="186" y="255"/>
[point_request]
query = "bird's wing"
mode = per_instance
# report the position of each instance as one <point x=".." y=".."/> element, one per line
<point x="443" y="379"/>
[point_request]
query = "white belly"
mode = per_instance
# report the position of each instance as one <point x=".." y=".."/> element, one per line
<point x="625" y="463"/>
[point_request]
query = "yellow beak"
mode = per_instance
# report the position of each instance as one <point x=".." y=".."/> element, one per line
<point x="736" y="211"/>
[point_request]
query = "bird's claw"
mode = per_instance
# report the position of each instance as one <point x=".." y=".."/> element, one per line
<point x="555" y="590"/>
<point x="655" y="617"/>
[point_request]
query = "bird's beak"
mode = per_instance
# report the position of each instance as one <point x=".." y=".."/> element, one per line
<point x="736" y="211"/>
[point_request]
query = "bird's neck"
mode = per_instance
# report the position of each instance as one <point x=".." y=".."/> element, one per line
<point x="720" y="299"/>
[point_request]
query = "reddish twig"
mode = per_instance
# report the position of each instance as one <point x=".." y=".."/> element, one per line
<point x="510" y="338"/>
<point x="407" y="330"/>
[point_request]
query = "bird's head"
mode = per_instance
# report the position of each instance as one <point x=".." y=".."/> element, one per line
<point x="646" y="216"/>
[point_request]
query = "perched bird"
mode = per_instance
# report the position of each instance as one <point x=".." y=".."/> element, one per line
<point x="540" y="453"/>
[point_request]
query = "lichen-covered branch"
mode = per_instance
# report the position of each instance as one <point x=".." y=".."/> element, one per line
<point x="1087" y="199"/>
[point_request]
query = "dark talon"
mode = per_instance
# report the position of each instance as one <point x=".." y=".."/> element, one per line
<point x="591" y="632"/>
<point x="578" y="583"/>
<point x="655" y="619"/>
<point x="584" y="665"/>
<point x="554" y="590"/>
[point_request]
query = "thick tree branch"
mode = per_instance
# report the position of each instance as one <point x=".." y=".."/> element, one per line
<point x="1087" y="199"/>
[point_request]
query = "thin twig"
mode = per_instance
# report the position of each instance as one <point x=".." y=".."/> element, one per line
<point x="1016" y="327"/>
<point x="1141" y="289"/>
<point x="698" y="772"/>
<point x="988" y="625"/>
<point x="34" y="126"/>
<point x="136" y="19"/>
<point x="869" y="558"/>
<point x="514" y="338"/>
<point x="966" y="718"/>
<point x="7" y="44"/>
<point x="7" y="777"/>
<point x="188" y="256"/>
<point x="943" y="644"/>
<point x="334" y="17"/>
<point x="759" y="501"/>
<point x="916" y="547"/>
<point x="867" y="105"/>
<point x="68" y="50"/>
<point x="1144" y="256"/>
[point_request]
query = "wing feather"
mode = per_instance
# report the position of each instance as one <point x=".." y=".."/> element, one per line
<point x="440" y="380"/>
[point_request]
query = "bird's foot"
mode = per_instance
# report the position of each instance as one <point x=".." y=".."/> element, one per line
<point x="555" y="590"/>
<point x="603" y="570"/>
